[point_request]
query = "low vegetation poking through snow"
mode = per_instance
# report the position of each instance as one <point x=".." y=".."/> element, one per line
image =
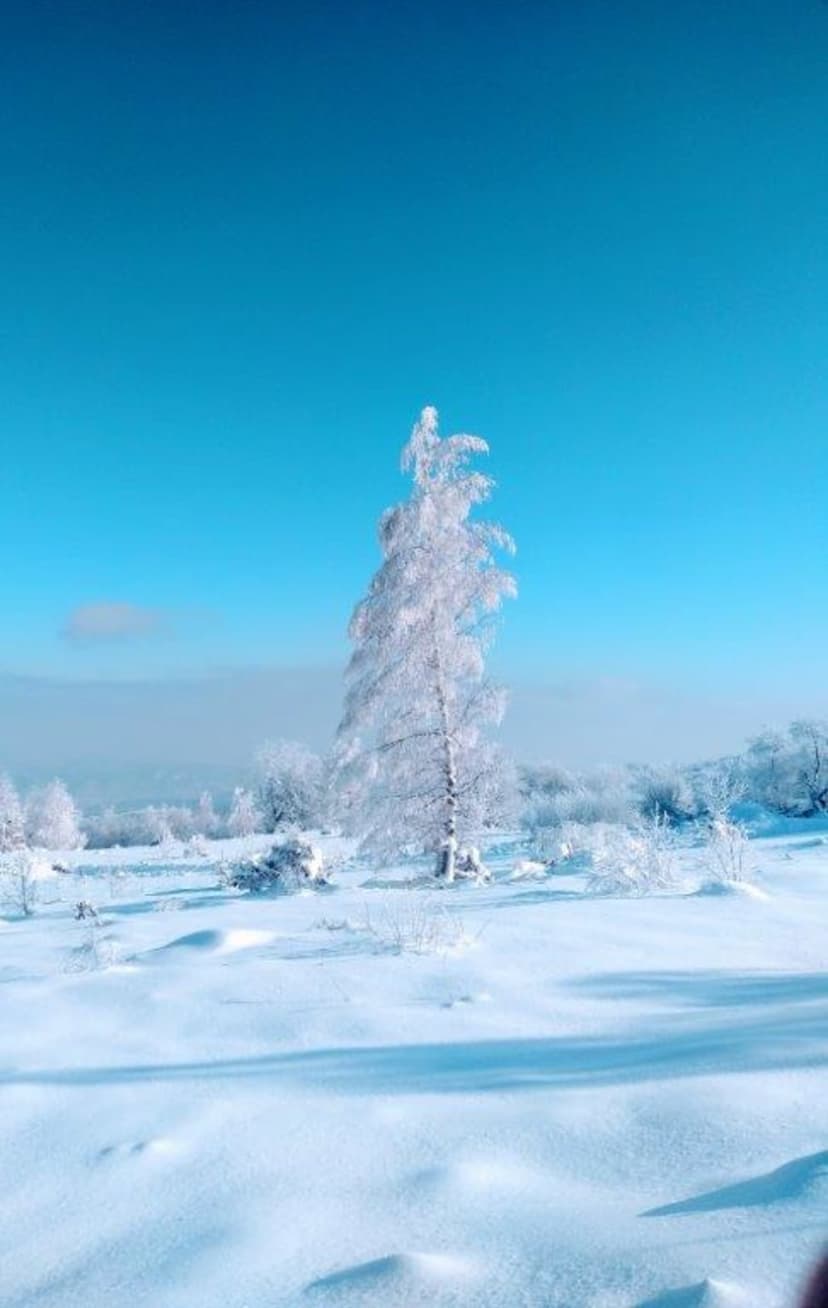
<point x="415" y="924"/>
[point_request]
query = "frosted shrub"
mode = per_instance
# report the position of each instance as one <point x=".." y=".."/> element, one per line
<point x="719" y="787"/>
<point x="11" y="816"/>
<point x="21" y="875"/>
<point x="564" y="841"/>
<point x="638" y="860"/>
<point x="414" y="924"/>
<point x="52" y="818"/>
<point x="206" y="820"/>
<point x="244" y="818"/>
<point x="289" y="789"/>
<point x="285" y="868"/>
<point x="85" y="912"/>
<point x="539" y="781"/>
<point x="602" y="797"/>
<point x="157" y="824"/>
<point x="666" y="793"/>
<point x="577" y="841"/>
<point x="729" y="851"/>
<point x="96" y="950"/>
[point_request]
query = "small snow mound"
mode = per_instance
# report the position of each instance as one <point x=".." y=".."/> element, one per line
<point x="243" y="938"/>
<point x="396" y="1274"/>
<point x="529" y="869"/>
<point x="800" y="1176"/>
<point x="483" y="1176"/>
<point x="216" y="942"/>
<point x="705" y="1294"/>
<point x="744" y="888"/>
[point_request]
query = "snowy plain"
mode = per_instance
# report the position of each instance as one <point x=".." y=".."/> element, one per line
<point x="543" y="1098"/>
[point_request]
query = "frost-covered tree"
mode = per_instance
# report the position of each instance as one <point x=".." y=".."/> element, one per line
<point x="810" y="742"/>
<point x="413" y="766"/>
<point x="52" y="818"/>
<point x="157" y="825"/>
<point x="289" y="785"/>
<point x="244" y="817"/>
<point x="719" y="787"/>
<point x="205" y="819"/>
<point x="788" y="771"/>
<point x="11" y="816"/>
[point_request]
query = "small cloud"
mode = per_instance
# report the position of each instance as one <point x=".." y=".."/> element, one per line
<point x="108" y="621"/>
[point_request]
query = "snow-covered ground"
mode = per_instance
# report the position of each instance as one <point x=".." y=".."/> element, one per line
<point x="562" y="1101"/>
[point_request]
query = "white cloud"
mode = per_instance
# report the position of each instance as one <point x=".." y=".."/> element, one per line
<point x="109" y="620"/>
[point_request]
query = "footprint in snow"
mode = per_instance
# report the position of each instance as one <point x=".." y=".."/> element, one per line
<point x="131" y="1149"/>
<point x="482" y="998"/>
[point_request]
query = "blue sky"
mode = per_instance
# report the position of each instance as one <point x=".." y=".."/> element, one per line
<point x="241" y="246"/>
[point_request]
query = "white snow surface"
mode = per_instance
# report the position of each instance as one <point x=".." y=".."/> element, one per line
<point x="560" y="1101"/>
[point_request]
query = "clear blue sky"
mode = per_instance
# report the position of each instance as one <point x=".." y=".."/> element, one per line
<point x="242" y="245"/>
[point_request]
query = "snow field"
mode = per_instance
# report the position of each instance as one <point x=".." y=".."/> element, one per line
<point x="572" y="1102"/>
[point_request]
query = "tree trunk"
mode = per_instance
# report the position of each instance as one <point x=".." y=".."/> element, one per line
<point x="448" y="848"/>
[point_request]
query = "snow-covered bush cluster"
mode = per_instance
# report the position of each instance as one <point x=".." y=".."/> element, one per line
<point x="292" y="865"/>
<point x="22" y="874"/>
<point x="787" y="771"/>
<point x="553" y="797"/>
<point x="782" y="772"/>
<point x="47" y="819"/>
<point x="636" y="860"/>
<point x="289" y="792"/>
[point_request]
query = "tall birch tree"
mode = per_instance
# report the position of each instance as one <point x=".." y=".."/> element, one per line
<point x="414" y="766"/>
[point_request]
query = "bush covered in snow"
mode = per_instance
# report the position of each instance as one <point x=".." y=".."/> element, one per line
<point x="285" y="868"/>
<point x="21" y="875"/>
<point x="664" y="793"/>
<point x="554" y="799"/>
<point x="244" y="817"/>
<point x="637" y="860"/>
<point x="52" y="818"/>
<point x="12" y="835"/>
<point x="157" y="824"/>
<point x="728" y="848"/>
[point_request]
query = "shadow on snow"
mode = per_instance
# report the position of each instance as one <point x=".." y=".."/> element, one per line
<point x="777" y="1041"/>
